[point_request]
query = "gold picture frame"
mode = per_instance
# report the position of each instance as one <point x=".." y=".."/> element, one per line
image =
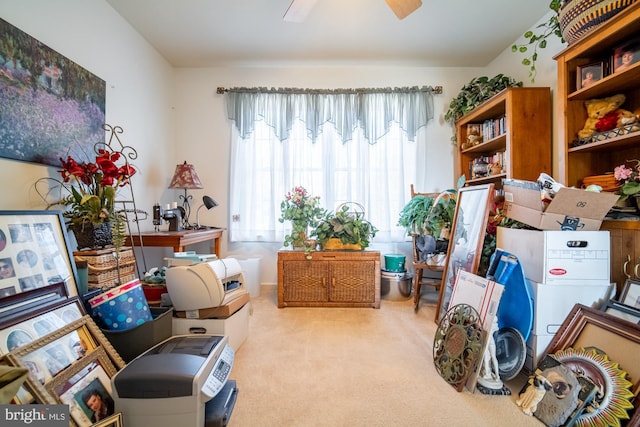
<point x="94" y="370"/>
<point x="114" y="420"/>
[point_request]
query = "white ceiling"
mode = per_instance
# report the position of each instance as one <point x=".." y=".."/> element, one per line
<point x="209" y="33"/>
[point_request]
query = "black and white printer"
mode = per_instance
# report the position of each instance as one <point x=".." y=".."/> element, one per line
<point x="183" y="381"/>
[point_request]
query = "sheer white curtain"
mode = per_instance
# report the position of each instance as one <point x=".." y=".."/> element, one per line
<point x="344" y="148"/>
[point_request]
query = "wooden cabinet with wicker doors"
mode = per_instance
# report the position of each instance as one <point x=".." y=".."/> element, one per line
<point x="329" y="279"/>
<point x="516" y="128"/>
<point x="579" y="159"/>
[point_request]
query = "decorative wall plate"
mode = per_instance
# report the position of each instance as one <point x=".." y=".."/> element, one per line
<point x="612" y="402"/>
<point x="458" y="345"/>
<point x="511" y="352"/>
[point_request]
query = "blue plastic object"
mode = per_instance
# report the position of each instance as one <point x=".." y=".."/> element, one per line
<point x="516" y="305"/>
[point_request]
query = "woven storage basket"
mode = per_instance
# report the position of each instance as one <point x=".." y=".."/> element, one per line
<point x="579" y="17"/>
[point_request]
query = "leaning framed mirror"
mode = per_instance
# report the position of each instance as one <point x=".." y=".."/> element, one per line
<point x="467" y="238"/>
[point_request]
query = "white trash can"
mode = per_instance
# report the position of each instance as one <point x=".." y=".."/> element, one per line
<point x="251" y="270"/>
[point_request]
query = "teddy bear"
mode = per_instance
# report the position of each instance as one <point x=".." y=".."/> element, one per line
<point x="605" y="114"/>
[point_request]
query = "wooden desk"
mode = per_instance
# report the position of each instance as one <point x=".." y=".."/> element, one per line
<point x="178" y="240"/>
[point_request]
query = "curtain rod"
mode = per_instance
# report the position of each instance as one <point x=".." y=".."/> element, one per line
<point x="434" y="89"/>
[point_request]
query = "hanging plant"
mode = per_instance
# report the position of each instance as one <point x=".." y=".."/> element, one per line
<point x="475" y="93"/>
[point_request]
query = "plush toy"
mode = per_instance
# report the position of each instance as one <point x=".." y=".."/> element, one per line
<point x="598" y="109"/>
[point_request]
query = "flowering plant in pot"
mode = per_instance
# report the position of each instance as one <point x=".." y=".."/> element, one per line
<point x="629" y="177"/>
<point x="304" y="212"/>
<point x="88" y="190"/>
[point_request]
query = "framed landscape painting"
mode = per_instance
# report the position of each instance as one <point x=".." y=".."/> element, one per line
<point x="50" y="107"/>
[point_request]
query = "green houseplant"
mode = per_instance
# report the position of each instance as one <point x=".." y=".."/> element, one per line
<point x="538" y="39"/>
<point x="350" y="227"/>
<point x="474" y="93"/>
<point x="429" y="215"/>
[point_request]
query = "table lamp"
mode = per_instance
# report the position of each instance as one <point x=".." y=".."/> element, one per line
<point x="207" y="202"/>
<point x="185" y="177"/>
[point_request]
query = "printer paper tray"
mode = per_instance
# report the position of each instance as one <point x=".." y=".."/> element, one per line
<point x="217" y="411"/>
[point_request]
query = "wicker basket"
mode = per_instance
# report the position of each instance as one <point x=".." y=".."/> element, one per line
<point x="579" y="17"/>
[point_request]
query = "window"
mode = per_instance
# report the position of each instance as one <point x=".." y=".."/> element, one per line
<point x="362" y="149"/>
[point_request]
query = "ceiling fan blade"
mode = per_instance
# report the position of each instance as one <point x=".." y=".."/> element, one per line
<point x="404" y="8"/>
<point x="298" y="10"/>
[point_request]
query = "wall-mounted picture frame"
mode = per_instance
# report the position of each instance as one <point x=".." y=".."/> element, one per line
<point x="588" y="74"/>
<point x="622" y="311"/>
<point x="626" y="55"/>
<point x="40" y="323"/>
<point x="36" y="252"/>
<point x="465" y="247"/>
<point x="586" y="327"/>
<point x="86" y="388"/>
<point x="630" y="294"/>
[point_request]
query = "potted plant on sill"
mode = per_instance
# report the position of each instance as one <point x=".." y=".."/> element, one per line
<point x="344" y="229"/>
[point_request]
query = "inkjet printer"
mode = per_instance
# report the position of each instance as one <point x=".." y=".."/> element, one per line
<point x="183" y="381"/>
<point x="210" y="298"/>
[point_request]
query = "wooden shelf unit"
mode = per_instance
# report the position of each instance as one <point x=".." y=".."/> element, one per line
<point x="601" y="157"/>
<point x="329" y="279"/>
<point x="526" y="141"/>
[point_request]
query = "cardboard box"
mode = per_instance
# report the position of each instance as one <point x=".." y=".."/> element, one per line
<point x="552" y="303"/>
<point x="570" y="209"/>
<point x="219" y="312"/>
<point x="560" y="257"/>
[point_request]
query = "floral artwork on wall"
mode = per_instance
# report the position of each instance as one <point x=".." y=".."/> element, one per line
<point x="50" y="107"/>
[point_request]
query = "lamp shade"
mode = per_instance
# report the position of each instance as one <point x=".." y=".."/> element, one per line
<point x="185" y="177"/>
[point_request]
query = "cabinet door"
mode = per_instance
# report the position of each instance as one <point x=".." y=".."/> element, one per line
<point x="305" y="281"/>
<point x="352" y="281"/>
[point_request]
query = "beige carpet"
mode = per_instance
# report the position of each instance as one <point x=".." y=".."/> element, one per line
<point x="354" y="367"/>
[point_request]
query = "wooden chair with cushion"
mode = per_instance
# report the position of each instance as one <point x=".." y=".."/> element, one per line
<point x="424" y="273"/>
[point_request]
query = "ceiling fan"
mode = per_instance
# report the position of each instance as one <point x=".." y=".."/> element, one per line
<point x="299" y="9"/>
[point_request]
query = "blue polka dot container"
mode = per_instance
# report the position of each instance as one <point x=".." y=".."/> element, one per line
<point x="121" y="308"/>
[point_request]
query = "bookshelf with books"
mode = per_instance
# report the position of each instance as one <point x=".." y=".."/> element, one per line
<point x="508" y="136"/>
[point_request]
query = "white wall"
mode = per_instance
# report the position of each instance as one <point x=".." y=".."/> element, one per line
<point x="171" y="115"/>
<point x="139" y="90"/>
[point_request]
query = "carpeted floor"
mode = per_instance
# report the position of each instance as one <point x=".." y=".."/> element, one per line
<point x="354" y="367"/>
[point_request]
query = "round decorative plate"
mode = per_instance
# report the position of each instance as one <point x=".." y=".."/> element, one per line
<point x="457" y="345"/>
<point x="613" y="398"/>
<point x="511" y="352"/>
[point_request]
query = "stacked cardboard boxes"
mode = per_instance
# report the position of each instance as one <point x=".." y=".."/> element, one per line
<point x="566" y="260"/>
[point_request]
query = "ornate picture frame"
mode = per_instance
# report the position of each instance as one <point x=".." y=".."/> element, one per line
<point x="93" y="372"/>
<point x="34" y="252"/>
<point x="620" y="340"/>
<point x="467" y="231"/>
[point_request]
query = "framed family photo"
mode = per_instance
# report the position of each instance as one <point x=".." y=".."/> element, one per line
<point x="626" y="55"/>
<point x="34" y="252"/>
<point x="39" y="324"/>
<point x="589" y="74"/>
<point x="86" y="388"/>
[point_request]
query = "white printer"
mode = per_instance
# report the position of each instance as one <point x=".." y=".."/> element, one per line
<point x="183" y="381"/>
<point x="210" y="298"/>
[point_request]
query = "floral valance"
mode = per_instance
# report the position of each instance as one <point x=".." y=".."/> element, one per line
<point x="372" y="110"/>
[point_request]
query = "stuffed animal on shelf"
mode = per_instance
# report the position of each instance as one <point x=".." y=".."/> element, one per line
<point x="605" y="114"/>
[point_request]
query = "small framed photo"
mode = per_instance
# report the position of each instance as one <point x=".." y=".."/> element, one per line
<point x="626" y="55"/>
<point x="86" y="388"/>
<point x="631" y="294"/>
<point x="589" y="74"/>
